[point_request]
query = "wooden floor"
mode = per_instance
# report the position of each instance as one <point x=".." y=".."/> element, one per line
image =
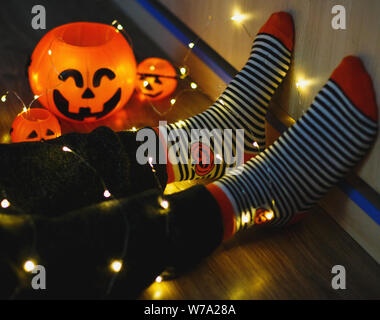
<point x="293" y="263"/>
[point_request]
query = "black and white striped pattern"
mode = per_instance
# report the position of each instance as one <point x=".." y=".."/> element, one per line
<point x="244" y="103"/>
<point x="307" y="160"/>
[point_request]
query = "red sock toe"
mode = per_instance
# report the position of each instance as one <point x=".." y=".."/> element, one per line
<point x="281" y="26"/>
<point x="356" y="83"/>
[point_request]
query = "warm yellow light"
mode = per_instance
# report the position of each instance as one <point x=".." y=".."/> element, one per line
<point x="119" y="27"/>
<point x="106" y="194"/>
<point x="255" y="144"/>
<point x="49" y="52"/>
<point x="36" y="97"/>
<point x="116" y="265"/>
<point x="24" y="109"/>
<point x="245" y="219"/>
<point x="159" y="279"/>
<point x="134" y="129"/>
<point x="238" y="18"/>
<point x="269" y="215"/>
<point x="181" y="123"/>
<point x="66" y="149"/>
<point x="29" y="266"/>
<point x="4" y="98"/>
<point x="5" y="203"/>
<point x="183" y="70"/>
<point x="164" y="204"/>
<point x="152" y="68"/>
<point x="173" y="101"/>
<point x="302" y="84"/>
<point x="191" y="45"/>
<point x="193" y="85"/>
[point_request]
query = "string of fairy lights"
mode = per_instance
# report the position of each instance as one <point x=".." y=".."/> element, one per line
<point x="116" y="264"/>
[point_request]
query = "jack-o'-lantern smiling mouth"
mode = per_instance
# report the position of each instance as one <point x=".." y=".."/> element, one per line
<point x="62" y="105"/>
<point x="153" y="95"/>
<point x="84" y="112"/>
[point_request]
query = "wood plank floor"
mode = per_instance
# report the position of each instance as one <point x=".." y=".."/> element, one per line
<point x="294" y="263"/>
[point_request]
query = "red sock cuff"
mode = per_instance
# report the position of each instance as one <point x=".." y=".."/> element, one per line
<point x="226" y="210"/>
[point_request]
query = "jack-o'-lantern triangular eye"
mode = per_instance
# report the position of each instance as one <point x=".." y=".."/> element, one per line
<point x="49" y="132"/>
<point x="33" y="134"/>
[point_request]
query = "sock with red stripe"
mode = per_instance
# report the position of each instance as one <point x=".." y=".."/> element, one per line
<point x="308" y="159"/>
<point x="243" y="105"/>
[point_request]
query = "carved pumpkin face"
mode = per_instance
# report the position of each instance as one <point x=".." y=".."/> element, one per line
<point x="34" y="125"/>
<point x="157" y="78"/>
<point x="83" y="71"/>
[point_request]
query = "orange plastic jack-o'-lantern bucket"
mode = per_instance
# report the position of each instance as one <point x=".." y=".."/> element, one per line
<point x="83" y="71"/>
<point x="157" y="78"/>
<point x="34" y="125"/>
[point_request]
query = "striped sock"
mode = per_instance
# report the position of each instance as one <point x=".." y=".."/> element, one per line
<point x="310" y="157"/>
<point x="243" y="105"/>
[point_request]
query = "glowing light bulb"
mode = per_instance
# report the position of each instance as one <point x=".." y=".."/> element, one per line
<point x="5" y="203"/>
<point x="67" y="149"/>
<point x="164" y="204"/>
<point x="181" y="123"/>
<point x="173" y="101"/>
<point x="116" y="265"/>
<point x="49" y="52"/>
<point x="245" y="219"/>
<point x="152" y="68"/>
<point x="36" y="97"/>
<point x="183" y="70"/>
<point x="269" y="215"/>
<point x="25" y="109"/>
<point x="159" y="279"/>
<point x="193" y="85"/>
<point x="191" y="45"/>
<point x="119" y="27"/>
<point x="134" y="129"/>
<point x="302" y="84"/>
<point x="4" y="98"/>
<point x="106" y="194"/>
<point x="238" y="18"/>
<point x="29" y="266"/>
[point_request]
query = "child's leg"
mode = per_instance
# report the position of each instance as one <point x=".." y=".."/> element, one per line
<point x="243" y="105"/>
<point x="307" y="160"/>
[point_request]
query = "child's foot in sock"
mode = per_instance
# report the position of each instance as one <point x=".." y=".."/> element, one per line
<point x="243" y="105"/>
<point x="309" y="159"/>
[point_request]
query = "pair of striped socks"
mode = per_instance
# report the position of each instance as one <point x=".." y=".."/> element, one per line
<point x="307" y="160"/>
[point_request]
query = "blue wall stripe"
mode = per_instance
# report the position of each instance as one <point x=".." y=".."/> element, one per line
<point x="357" y="197"/>
<point x="361" y="201"/>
